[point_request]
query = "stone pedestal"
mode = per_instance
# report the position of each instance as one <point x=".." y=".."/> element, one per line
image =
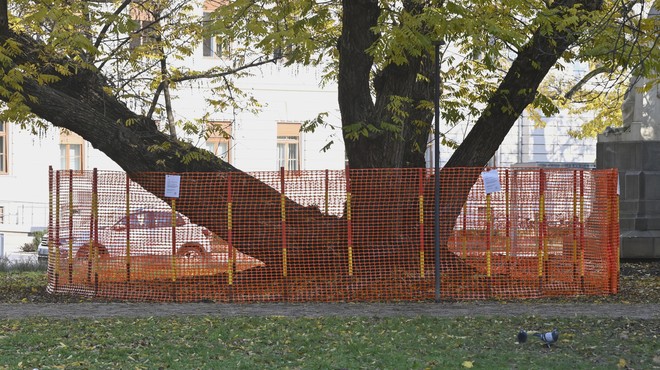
<point x="634" y="149"/>
<point x="639" y="203"/>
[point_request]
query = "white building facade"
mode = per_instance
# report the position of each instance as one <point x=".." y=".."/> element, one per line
<point x="527" y="144"/>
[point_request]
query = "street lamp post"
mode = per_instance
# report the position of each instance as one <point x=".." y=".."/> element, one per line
<point x="436" y="194"/>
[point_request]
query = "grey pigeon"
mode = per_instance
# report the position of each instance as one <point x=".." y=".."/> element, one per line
<point x="549" y="337"/>
<point x="522" y="336"/>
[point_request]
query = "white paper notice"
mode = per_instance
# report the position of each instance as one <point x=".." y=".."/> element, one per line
<point x="172" y="185"/>
<point x="491" y="181"/>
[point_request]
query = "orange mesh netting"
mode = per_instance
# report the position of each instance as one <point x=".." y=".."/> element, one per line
<point x="358" y="235"/>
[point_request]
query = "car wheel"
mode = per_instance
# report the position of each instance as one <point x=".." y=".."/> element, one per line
<point x="83" y="251"/>
<point x="190" y="251"/>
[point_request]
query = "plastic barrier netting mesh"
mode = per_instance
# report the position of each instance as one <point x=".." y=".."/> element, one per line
<point x="358" y="235"/>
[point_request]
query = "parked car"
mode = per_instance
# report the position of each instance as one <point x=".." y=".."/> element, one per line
<point x="42" y="249"/>
<point x="151" y="233"/>
<point x="79" y="240"/>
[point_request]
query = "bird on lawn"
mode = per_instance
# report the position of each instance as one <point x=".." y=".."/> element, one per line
<point x="522" y="336"/>
<point x="549" y="337"/>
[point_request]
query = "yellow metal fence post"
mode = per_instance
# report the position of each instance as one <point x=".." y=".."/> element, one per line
<point x="349" y="222"/>
<point x="230" y="246"/>
<point x="56" y="248"/>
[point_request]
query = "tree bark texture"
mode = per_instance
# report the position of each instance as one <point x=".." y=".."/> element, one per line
<point x="382" y="148"/>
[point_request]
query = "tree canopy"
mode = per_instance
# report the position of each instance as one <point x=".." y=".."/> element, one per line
<point x="379" y="52"/>
<point x="102" y="68"/>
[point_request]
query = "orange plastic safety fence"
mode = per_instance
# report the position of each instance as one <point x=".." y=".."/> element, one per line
<point x="358" y="235"/>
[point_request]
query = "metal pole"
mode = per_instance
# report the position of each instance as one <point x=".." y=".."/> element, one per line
<point x="436" y="194"/>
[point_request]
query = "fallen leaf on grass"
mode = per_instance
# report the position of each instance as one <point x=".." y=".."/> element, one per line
<point x="621" y="364"/>
<point x="468" y="364"/>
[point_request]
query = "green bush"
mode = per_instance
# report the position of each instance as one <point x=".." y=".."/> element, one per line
<point x="32" y="246"/>
<point x="29" y="247"/>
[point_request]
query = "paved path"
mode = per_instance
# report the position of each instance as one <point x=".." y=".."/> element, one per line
<point x="101" y="310"/>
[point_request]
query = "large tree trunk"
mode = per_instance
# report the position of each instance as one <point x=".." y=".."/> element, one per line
<point x="380" y="148"/>
<point x="517" y="90"/>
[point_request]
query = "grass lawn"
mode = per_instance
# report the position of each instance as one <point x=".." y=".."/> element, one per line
<point x="326" y="343"/>
<point x="331" y="342"/>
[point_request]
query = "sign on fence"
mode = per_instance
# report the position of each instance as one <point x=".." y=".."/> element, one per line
<point x="172" y="186"/>
<point x="491" y="181"/>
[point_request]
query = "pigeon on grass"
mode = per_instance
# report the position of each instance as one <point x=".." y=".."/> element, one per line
<point x="522" y="336"/>
<point x="548" y="338"/>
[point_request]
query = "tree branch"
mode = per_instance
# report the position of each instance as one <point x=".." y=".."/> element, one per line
<point x="210" y="74"/>
<point x="105" y="28"/>
<point x="584" y="80"/>
<point x="4" y="17"/>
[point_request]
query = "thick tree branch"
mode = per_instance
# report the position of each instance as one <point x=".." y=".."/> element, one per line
<point x="569" y="94"/>
<point x="516" y="91"/>
<point x="79" y="102"/>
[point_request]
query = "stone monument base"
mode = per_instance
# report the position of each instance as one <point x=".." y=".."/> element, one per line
<point x="639" y="184"/>
<point x="640" y="244"/>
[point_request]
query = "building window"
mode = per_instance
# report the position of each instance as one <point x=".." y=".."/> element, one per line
<point x="212" y="45"/>
<point x="288" y="146"/>
<point x="3" y="147"/>
<point x="71" y="151"/>
<point x="428" y="155"/>
<point x="2" y="215"/>
<point x="219" y="140"/>
<point x="145" y="30"/>
<point x="143" y="34"/>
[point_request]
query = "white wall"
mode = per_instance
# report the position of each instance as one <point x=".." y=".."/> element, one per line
<point x="526" y="143"/>
<point x="24" y="189"/>
<point x="287" y="94"/>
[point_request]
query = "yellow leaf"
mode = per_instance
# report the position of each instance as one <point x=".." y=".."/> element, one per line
<point x="622" y="363"/>
<point x="468" y="364"/>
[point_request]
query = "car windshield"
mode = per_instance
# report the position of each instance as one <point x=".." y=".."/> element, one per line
<point x="151" y="219"/>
